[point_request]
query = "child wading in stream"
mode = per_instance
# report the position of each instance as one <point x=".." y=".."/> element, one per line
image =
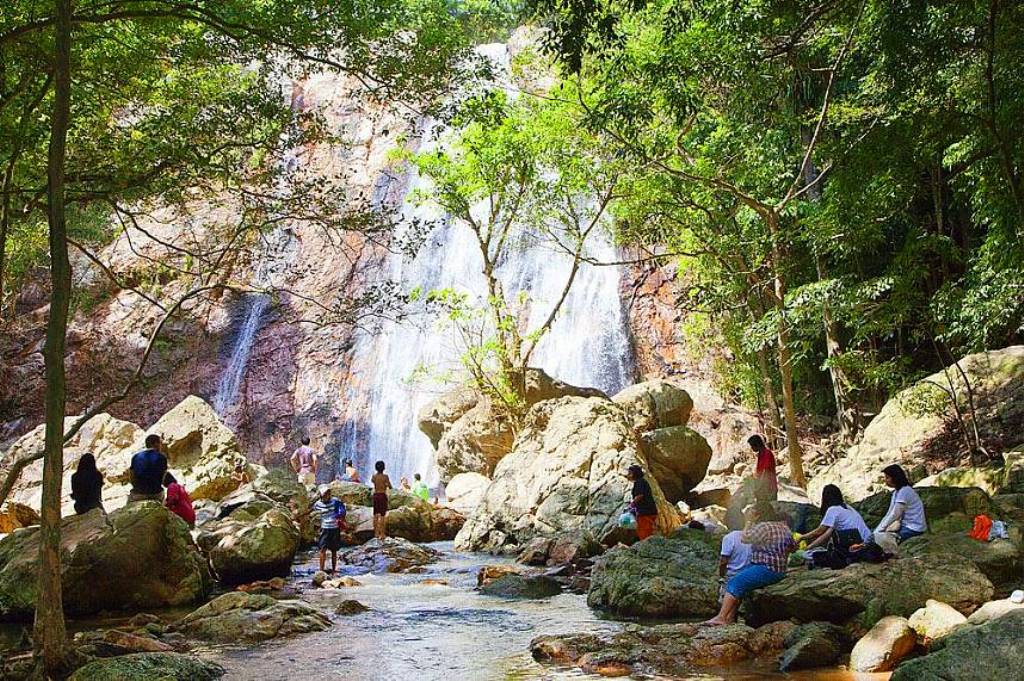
<point x="381" y="485"/>
<point x="332" y="516"/>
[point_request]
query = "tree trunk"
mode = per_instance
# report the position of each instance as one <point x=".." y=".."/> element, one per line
<point x="796" y="463"/>
<point x="847" y="411"/>
<point x="768" y="386"/>
<point x="50" y="637"/>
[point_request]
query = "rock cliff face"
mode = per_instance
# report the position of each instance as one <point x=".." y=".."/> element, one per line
<point x="296" y="377"/>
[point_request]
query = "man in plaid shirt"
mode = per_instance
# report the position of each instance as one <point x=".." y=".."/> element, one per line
<point x="771" y="543"/>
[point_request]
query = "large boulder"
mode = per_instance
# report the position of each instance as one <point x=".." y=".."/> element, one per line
<point x="990" y="651"/>
<point x="465" y="491"/>
<point x="109" y="439"/>
<point x="470" y="435"/>
<point x="476" y="442"/>
<point x="655" y="404"/>
<point x="818" y="644"/>
<point x="245" y="549"/>
<point x="390" y="555"/>
<point x="665" y="650"/>
<point x="437" y="417"/>
<point x="422" y="522"/>
<point x="994" y="610"/>
<point x="658" y="577"/>
<point x="1000" y="560"/>
<point x="141" y="556"/>
<point x="148" y="666"/>
<point x="918" y="429"/>
<point x="863" y="593"/>
<point x="884" y="646"/>
<point x="280" y="486"/>
<point x="678" y="457"/>
<point x="239" y="616"/>
<point x="201" y="451"/>
<point x="566" y="474"/>
<point x="935" y="620"/>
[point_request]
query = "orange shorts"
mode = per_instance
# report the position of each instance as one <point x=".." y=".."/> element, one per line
<point x="645" y="525"/>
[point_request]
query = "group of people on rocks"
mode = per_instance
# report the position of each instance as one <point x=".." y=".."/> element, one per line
<point x="332" y="513"/>
<point x="755" y="553"/>
<point x="150" y="481"/>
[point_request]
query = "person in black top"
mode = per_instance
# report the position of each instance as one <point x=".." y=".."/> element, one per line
<point x="87" y="485"/>
<point x="643" y="503"/>
<point x="147" y="472"/>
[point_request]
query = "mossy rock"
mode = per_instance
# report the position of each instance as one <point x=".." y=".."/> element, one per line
<point x="658" y="577"/>
<point x="989" y="651"/>
<point x="149" y="666"/>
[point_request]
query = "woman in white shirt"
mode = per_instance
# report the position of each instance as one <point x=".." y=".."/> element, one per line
<point x="905" y="517"/>
<point x="839" y="523"/>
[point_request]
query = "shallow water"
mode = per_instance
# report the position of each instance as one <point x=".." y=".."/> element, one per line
<point x="418" y="631"/>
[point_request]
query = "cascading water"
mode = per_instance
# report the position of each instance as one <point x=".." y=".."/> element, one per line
<point x="588" y="344"/>
<point x="271" y="262"/>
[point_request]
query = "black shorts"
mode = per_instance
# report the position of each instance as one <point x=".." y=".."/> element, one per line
<point x="330" y="539"/>
<point x="380" y="503"/>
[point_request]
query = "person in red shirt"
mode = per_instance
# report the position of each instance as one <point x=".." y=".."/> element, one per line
<point x="764" y="471"/>
<point x="178" y="500"/>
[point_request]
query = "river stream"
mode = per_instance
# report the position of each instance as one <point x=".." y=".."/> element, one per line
<point x="421" y="630"/>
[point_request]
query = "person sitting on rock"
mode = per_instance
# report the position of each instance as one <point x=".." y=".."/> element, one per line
<point x="240" y="475"/>
<point x="771" y="543"/>
<point x="351" y="474"/>
<point x="147" y="472"/>
<point x="643" y="504"/>
<point x="87" y="485"/>
<point x="764" y="469"/>
<point x="733" y="557"/>
<point x="178" y="501"/>
<point x="332" y="515"/>
<point x="305" y="463"/>
<point x="905" y="517"/>
<point x="403" y="484"/>
<point x="841" y="527"/>
<point x="381" y="485"/>
<point x="419" y="488"/>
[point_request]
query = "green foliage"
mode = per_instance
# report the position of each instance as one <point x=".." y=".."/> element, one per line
<point x="176" y="101"/>
<point x="908" y="247"/>
<point x="519" y="172"/>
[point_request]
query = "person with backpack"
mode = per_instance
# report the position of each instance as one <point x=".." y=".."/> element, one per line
<point x="332" y="516"/>
<point x="841" y="528"/>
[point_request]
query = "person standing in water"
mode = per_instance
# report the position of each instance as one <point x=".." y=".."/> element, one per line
<point x="381" y="485"/>
<point x="332" y="515"/>
<point x="304" y="463"/>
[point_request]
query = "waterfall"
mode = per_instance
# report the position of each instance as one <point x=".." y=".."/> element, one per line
<point x="273" y="260"/>
<point x="588" y="344"/>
